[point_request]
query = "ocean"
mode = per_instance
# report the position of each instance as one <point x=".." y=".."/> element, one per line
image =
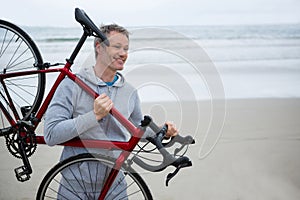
<point x="196" y="62"/>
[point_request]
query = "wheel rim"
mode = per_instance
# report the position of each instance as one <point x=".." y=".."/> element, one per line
<point x="66" y="182"/>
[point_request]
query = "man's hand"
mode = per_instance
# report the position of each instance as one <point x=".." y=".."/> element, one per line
<point x="172" y="130"/>
<point x="102" y="105"/>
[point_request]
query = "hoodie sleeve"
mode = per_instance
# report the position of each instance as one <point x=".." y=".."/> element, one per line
<point x="60" y="126"/>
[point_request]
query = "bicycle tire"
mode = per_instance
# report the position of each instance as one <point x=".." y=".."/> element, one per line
<point x="55" y="185"/>
<point x="18" y="53"/>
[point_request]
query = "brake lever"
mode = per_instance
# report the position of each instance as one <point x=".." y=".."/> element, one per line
<point x="171" y="175"/>
<point x="186" y="163"/>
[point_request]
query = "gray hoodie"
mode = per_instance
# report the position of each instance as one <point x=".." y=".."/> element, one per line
<point x="70" y="113"/>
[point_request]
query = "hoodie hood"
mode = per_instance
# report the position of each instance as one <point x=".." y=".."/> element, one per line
<point x="89" y="75"/>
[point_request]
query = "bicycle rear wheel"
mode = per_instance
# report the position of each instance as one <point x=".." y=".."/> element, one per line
<point x="20" y="95"/>
<point x="82" y="177"/>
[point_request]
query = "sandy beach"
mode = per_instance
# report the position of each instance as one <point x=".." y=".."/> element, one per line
<point x="256" y="157"/>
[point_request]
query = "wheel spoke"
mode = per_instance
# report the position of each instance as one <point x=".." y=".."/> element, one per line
<point x="19" y="63"/>
<point x="16" y="50"/>
<point x="22" y="78"/>
<point x="18" y="86"/>
<point x="3" y="42"/>
<point x="72" y="190"/>
<point x="12" y="63"/>
<point x="7" y="45"/>
<point x="20" y="97"/>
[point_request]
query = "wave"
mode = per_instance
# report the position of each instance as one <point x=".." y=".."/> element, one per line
<point x="60" y="39"/>
<point x="266" y="32"/>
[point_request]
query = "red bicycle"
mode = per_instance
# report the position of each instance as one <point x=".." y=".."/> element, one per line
<point x="23" y="76"/>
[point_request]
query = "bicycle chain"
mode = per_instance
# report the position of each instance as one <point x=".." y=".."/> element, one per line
<point x="29" y="142"/>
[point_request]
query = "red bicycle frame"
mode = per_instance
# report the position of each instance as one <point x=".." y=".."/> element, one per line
<point x="126" y="147"/>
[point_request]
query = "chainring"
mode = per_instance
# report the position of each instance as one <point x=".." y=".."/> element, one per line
<point x="28" y="140"/>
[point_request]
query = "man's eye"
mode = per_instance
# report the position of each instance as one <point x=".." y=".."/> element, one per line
<point x="117" y="46"/>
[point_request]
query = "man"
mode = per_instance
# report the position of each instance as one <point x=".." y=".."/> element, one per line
<point x="73" y="113"/>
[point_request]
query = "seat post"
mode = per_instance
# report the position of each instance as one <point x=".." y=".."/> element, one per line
<point x="83" y="38"/>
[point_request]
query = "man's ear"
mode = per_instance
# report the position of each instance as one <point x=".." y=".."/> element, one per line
<point x="98" y="47"/>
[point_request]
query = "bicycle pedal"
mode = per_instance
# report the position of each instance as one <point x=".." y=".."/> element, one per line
<point x="22" y="174"/>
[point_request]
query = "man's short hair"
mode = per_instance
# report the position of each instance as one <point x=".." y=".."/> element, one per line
<point x="106" y="29"/>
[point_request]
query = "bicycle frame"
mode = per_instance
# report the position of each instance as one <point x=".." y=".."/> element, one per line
<point x="126" y="147"/>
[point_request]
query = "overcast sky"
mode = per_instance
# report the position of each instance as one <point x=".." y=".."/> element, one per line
<point x="152" y="12"/>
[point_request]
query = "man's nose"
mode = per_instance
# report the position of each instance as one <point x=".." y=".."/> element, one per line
<point x="123" y="52"/>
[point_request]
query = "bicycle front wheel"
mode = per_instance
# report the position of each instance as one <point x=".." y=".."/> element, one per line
<point x="20" y="95"/>
<point x="82" y="177"/>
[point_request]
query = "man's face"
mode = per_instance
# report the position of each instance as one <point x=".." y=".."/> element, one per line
<point x="116" y="54"/>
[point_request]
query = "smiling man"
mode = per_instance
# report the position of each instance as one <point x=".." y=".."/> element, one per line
<point x="73" y="113"/>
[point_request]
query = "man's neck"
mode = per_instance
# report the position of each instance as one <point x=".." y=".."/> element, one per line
<point x="105" y="73"/>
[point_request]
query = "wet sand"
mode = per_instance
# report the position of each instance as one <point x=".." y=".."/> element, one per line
<point x="256" y="156"/>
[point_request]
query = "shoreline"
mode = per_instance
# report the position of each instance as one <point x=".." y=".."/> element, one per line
<point x="256" y="156"/>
